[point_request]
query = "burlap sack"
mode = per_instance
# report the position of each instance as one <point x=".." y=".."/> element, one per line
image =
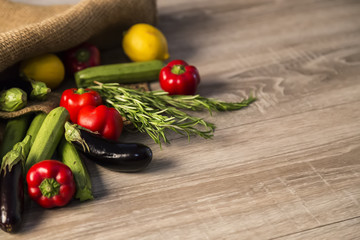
<point x="27" y="30"/>
<point x="30" y="30"/>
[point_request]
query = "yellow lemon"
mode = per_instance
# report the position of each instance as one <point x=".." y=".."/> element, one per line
<point x="47" y="68"/>
<point x="144" y="42"/>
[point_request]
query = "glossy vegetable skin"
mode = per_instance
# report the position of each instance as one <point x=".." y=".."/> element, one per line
<point x="50" y="183"/>
<point x="104" y="120"/>
<point x="12" y="186"/>
<point x="179" y="78"/>
<point x="83" y="56"/>
<point x="74" y="99"/>
<point x="12" y="198"/>
<point x="120" y="157"/>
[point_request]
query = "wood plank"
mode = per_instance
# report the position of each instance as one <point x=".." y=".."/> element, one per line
<point x="242" y="191"/>
<point x="287" y="167"/>
<point x="348" y="229"/>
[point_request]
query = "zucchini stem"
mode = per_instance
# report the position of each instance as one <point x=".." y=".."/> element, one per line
<point x="72" y="134"/>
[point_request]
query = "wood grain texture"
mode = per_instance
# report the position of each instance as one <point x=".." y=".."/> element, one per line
<point x="287" y="167"/>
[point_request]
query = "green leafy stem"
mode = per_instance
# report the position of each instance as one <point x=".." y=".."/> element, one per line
<point x="154" y="112"/>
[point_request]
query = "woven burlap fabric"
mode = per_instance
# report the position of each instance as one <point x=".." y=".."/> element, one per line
<point x="29" y="30"/>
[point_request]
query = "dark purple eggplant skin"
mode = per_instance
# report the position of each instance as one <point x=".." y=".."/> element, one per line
<point x="11" y="198"/>
<point x="116" y="156"/>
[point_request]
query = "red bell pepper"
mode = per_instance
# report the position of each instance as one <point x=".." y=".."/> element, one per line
<point x="179" y="78"/>
<point x="73" y="99"/>
<point x="104" y="120"/>
<point x="83" y="56"/>
<point x="50" y="183"/>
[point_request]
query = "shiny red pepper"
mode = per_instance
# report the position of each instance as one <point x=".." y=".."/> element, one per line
<point x="73" y="99"/>
<point x="179" y="78"/>
<point x="106" y="121"/>
<point x="83" y="56"/>
<point x="50" y="183"/>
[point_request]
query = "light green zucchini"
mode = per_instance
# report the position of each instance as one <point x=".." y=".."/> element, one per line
<point x="71" y="158"/>
<point x="15" y="131"/>
<point x="35" y="126"/>
<point x="123" y="73"/>
<point x="48" y="137"/>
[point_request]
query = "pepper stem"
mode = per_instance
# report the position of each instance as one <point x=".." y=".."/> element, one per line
<point x="178" y="69"/>
<point x="80" y="91"/>
<point x="83" y="55"/>
<point x="49" y="187"/>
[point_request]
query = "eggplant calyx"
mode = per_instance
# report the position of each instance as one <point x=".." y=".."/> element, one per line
<point x="11" y="159"/>
<point x="18" y="153"/>
<point x="73" y="134"/>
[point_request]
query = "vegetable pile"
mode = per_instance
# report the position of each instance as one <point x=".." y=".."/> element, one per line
<point x="44" y="155"/>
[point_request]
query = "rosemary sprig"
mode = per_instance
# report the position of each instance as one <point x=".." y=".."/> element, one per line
<point x="153" y="112"/>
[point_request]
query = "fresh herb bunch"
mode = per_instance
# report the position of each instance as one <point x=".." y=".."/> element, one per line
<point x="154" y="112"/>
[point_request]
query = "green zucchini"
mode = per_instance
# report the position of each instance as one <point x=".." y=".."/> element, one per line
<point x="122" y="73"/>
<point x="35" y="126"/>
<point x="48" y="137"/>
<point x="15" y="131"/>
<point x="71" y="158"/>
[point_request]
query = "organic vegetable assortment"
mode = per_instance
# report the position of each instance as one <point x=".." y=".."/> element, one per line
<point x="85" y="109"/>
<point x="96" y="109"/>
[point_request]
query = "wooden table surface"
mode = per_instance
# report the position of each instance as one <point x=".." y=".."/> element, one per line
<point x="287" y="167"/>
